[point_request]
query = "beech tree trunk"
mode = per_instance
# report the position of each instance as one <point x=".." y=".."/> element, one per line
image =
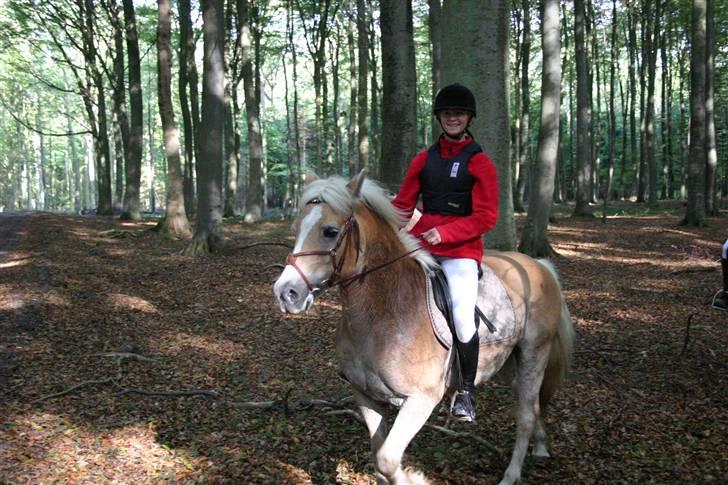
<point x="175" y="221"/>
<point x="362" y="85"/>
<point x="208" y="233"/>
<point x="133" y="168"/>
<point x="583" y="147"/>
<point x="534" y="240"/>
<point x="187" y="66"/>
<point x="254" y="199"/>
<point x="695" y="211"/>
<point x="399" y="91"/>
<point x="485" y="72"/>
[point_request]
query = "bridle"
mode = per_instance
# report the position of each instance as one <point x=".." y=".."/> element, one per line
<point x="351" y="227"/>
<point x="349" y="230"/>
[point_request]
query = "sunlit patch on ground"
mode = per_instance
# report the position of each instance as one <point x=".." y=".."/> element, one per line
<point x="44" y="448"/>
<point x="128" y="302"/>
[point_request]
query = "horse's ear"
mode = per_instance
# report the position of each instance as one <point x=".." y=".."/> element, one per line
<point x="309" y="177"/>
<point x="356" y="182"/>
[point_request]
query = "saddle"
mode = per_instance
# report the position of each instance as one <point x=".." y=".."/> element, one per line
<point x="441" y="293"/>
<point x="493" y="305"/>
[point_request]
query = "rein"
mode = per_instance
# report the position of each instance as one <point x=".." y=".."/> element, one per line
<point x="351" y="229"/>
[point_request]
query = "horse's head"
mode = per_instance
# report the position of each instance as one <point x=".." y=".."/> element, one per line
<point x="342" y="228"/>
<point x="322" y="228"/>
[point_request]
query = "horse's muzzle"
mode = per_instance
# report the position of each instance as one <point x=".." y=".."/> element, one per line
<point x="293" y="296"/>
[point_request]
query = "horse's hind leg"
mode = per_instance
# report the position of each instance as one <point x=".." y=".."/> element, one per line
<point x="411" y="417"/>
<point x="531" y="365"/>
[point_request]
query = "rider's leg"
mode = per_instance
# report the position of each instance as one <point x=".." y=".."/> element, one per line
<point x="462" y="278"/>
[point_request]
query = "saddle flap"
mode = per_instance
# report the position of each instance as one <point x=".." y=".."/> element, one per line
<point x="493" y="302"/>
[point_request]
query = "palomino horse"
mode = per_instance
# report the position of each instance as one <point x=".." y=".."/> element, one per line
<point x="347" y="235"/>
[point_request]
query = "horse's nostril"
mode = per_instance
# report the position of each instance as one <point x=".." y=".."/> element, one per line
<point x="292" y="295"/>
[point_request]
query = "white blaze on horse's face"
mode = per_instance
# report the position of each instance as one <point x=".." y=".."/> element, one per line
<point x="292" y="292"/>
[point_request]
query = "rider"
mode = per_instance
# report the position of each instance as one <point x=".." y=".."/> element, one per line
<point x="459" y="188"/>
<point x="720" y="300"/>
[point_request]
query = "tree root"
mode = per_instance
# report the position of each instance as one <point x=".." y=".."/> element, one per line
<point x="265" y="243"/>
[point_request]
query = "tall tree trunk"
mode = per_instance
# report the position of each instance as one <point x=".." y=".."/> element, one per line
<point x="712" y="205"/>
<point x="102" y="152"/>
<point x="351" y="124"/>
<point x="175" y="221"/>
<point x="362" y="85"/>
<point x="231" y="157"/>
<point x="186" y="59"/>
<point x="524" y="134"/>
<point x="254" y="200"/>
<point x="632" y="81"/>
<point x="399" y="95"/>
<point x="434" y="22"/>
<point x="650" y="134"/>
<point x="300" y="153"/>
<point x="612" y="140"/>
<point x="209" y="233"/>
<point x="485" y="71"/>
<point x="133" y="167"/>
<point x="583" y="147"/>
<point x="121" y="124"/>
<point x="534" y="240"/>
<point x="375" y="106"/>
<point x="695" y="211"/>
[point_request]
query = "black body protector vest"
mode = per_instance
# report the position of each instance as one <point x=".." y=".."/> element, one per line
<point x="446" y="184"/>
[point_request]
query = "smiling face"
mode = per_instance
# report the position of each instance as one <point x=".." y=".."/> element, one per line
<point x="454" y="122"/>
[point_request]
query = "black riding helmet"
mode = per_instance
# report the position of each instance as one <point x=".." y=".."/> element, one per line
<point x="454" y="96"/>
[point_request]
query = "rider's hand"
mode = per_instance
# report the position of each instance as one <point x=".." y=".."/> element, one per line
<point x="432" y="236"/>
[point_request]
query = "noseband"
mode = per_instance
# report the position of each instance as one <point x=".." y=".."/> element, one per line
<point x="350" y="229"/>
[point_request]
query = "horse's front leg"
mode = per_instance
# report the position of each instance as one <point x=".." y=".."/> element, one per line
<point x="373" y="414"/>
<point x="411" y="417"/>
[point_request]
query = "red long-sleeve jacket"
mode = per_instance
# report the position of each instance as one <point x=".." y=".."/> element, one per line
<point x="461" y="235"/>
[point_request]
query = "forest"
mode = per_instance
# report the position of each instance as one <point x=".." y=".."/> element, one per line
<point x="103" y="103"/>
<point x="152" y="159"/>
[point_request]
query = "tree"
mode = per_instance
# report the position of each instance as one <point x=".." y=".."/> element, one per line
<point x="251" y="85"/>
<point x="695" y="211"/>
<point x="583" y="116"/>
<point x="362" y="94"/>
<point x="711" y="168"/>
<point x="399" y="91"/>
<point x="482" y="32"/>
<point x="534" y="240"/>
<point x="189" y="102"/>
<point x="524" y="134"/>
<point x="175" y="220"/>
<point x="133" y="167"/>
<point x="208" y="233"/>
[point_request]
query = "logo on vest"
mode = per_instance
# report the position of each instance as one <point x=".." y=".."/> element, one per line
<point x="453" y="204"/>
<point x="454" y="170"/>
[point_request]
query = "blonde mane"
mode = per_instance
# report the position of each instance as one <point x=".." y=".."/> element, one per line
<point x="337" y="195"/>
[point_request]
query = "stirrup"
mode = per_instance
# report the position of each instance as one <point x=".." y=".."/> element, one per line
<point x="463" y="408"/>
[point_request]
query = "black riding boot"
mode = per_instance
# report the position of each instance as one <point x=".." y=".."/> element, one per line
<point x="464" y="407"/>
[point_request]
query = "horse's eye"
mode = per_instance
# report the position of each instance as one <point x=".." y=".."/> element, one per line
<point x="331" y="232"/>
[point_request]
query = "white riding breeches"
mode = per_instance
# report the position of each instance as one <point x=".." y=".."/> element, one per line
<point x="462" y="279"/>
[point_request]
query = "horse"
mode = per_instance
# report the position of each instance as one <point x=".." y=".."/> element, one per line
<point x="348" y="235"/>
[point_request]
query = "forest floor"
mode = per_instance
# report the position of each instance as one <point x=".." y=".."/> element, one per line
<point x="100" y="318"/>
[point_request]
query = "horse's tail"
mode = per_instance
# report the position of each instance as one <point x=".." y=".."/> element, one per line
<point x="562" y="349"/>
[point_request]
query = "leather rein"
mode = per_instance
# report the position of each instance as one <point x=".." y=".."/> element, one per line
<point x="350" y="230"/>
